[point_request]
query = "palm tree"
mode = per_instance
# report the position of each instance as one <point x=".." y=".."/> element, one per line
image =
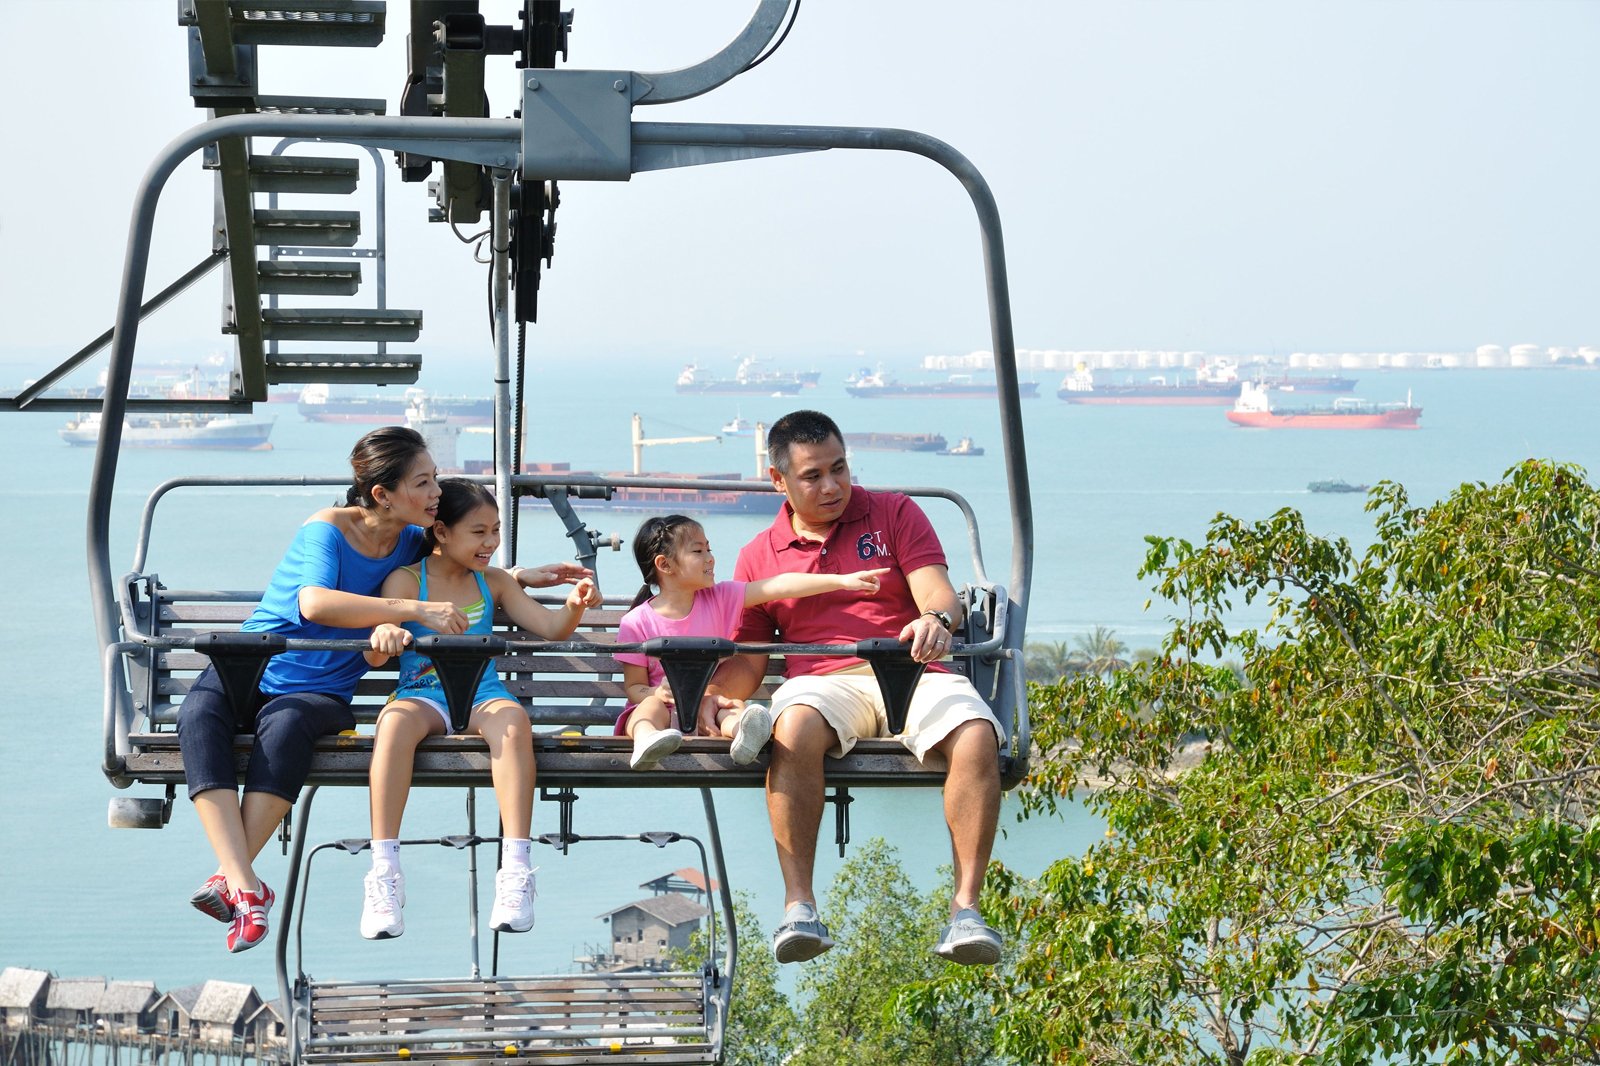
<point x="1099" y="652"/>
<point x="1047" y="663"/>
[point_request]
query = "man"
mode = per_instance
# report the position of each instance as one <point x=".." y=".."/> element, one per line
<point x="827" y="525"/>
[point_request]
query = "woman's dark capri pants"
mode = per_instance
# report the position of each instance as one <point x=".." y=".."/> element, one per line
<point x="286" y="727"/>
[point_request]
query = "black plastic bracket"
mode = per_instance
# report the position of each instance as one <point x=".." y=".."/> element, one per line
<point x="897" y="673"/>
<point x="688" y="663"/>
<point x="565" y="837"/>
<point x="460" y="661"/>
<point x="841" y="800"/>
<point x="240" y="659"/>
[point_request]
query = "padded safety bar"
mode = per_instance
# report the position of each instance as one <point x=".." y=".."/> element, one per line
<point x="240" y="659"/>
<point x="689" y="663"/>
<point x="897" y="673"/>
<point x="461" y="660"/>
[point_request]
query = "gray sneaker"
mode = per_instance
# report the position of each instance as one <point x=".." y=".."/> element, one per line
<point x="967" y="941"/>
<point x="802" y="936"/>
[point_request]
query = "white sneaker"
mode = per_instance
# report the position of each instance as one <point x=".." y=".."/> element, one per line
<point x="380" y="911"/>
<point x="650" y="748"/>
<point x="751" y="734"/>
<point x="514" y="893"/>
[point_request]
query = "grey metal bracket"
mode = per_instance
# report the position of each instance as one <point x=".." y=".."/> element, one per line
<point x="461" y="660"/>
<point x="689" y="663"/>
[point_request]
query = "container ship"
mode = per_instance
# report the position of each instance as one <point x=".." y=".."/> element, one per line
<point x="1252" y="410"/>
<point x="748" y="379"/>
<point x="190" y="432"/>
<point x="877" y="387"/>
<point x="316" y="404"/>
<point x="896" y="442"/>
<point x="1216" y="385"/>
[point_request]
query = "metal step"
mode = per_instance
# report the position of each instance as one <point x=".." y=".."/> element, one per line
<point x="303" y="173"/>
<point x="340" y="324"/>
<point x="308" y="277"/>
<point x="307" y="229"/>
<point x="388" y="368"/>
<point x="320" y="105"/>
<point x="329" y="23"/>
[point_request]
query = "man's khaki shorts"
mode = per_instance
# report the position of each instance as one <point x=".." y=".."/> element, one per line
<point x="852" y="704"/>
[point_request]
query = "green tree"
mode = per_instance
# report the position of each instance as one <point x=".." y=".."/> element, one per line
<point x="1391" y="851"/>
<point x="885" y="932"/>
<point x="761" y="1024"/>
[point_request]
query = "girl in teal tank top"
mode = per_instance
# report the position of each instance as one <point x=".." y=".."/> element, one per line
<point x="464" y="537"/>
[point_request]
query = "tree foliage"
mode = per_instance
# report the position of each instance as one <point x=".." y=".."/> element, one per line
<point x="1390" y="850"/>
<point x="761" y="1027"/>
<point x="884" y="931"/>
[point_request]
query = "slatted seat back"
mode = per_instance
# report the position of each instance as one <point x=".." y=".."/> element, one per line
<point x="561" y="691"/>
<point x="657" y="1017"/>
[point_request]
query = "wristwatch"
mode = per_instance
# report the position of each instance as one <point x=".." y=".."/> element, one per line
<point x="943" y="618"/>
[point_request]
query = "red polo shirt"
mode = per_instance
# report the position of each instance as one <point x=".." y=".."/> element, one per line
<point x="877" y="529"/>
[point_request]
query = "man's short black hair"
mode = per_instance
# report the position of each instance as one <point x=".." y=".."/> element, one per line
<point x="799" y="427"/>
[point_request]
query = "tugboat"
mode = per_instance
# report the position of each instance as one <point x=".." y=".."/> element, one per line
<point x="1253" y="410"/>
<point x="964" y="446"/>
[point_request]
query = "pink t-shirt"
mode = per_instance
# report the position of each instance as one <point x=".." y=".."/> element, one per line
<point x="715" y="613"/>
<point x="877" y="529"/>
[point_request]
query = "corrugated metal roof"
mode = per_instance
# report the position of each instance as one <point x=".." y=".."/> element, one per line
<point x="671" y="907"/>
<point x="225" y="1001"/>
<point x="20" y="987"/>
<point x="126" y="997"/>
<point x="75" y="993"/>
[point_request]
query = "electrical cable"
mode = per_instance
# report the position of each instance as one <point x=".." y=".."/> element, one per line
<point x="794" y="13"/>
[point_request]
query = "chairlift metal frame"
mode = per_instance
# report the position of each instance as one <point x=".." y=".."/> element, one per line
<point x="576" y="125"/>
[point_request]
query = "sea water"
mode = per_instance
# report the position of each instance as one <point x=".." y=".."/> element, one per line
<point x="81" y="899"/>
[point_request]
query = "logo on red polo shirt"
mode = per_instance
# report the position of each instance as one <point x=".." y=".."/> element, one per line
<point x="871" y="545"/>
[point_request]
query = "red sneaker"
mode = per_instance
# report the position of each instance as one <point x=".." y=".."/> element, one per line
<point x="249" y="926"/>
<point x="211" y="899"/>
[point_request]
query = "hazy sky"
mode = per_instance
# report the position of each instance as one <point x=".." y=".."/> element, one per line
<point x="1220" y="176"/>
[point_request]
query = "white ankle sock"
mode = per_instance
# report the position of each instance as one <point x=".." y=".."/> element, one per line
<point x="515" y="852"/>
<point x="386" y="854"/>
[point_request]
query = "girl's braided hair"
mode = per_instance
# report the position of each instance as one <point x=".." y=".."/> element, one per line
<point x="657" y="535"/>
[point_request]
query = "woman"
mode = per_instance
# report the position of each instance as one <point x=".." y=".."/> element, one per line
<point x="326" y="586"/>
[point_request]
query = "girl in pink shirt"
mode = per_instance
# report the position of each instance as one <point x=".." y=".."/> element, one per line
<point x="674" y="556"/>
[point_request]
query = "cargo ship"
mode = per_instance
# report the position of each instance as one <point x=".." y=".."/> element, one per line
<point x="877" y="386"/>
<point x="317" y="404"/>
<point x="1292" y="383"/>
<point x="188" y="432"/>
<point x="896" y="442"/>
<point x="1253" y="411"/>
<point x="651" y="500"/>
<point x="748" y="379"/>
<point x="1215" y="384"/>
